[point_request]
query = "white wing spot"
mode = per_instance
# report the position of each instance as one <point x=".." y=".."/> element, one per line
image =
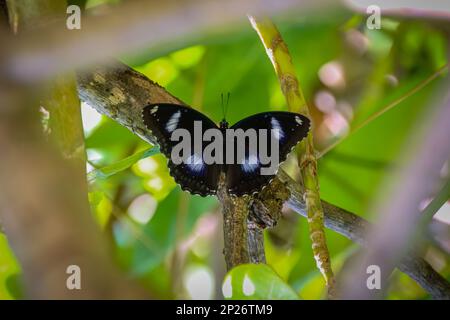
<point x="298" y="120"/>
<point x="154" y="109"/>
<point x="248" y="287"/>
<point x="172" y="124"/>
<point x="250" y="164"/>
<point x="195" y="163"/>
<point x="227" y="289"/>
<point x="276" y="129"/>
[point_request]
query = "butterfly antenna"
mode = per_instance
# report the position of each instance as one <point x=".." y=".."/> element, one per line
<point x="226" y="106"/>
<point x="223" y="107"/>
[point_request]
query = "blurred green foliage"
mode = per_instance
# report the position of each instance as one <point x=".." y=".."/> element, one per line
<point x="9" y="271"/>
<point x="378" y="67"/>
<point x="107" y="171"/>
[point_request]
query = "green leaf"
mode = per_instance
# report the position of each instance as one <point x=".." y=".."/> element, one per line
<point x="13" y="284"/>
<point x="121" y="165"/>
<point x="9" y="272"/>
<point x="256" y="281"/>
<point x="110" y="135"/>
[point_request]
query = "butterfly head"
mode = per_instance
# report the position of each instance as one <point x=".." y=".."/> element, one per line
<point x="223" y="124"/>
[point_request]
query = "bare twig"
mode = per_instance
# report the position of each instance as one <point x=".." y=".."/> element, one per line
<point x="280" y="57"/>
<point x="141" y="90"/>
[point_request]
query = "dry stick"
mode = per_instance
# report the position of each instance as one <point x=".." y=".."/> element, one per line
<point x="235" y="213"/>
<point x="97" y="88"/>
<point x="279" y="55"/>
<point x="128" y="27"/>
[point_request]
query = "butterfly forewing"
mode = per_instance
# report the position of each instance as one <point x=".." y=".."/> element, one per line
<point x="251" y="169"/>
<point x="193" y="175"/>
<point x="289" y="129"/>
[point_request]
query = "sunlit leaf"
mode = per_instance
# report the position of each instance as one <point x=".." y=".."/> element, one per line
<point x="119" y="166"/>
<point x="188" y="57"/>
<point x="259" y="281"/>
<point x="155" y="175"/>
<point x="9" y="272"/>
<point x="162" y="70"/>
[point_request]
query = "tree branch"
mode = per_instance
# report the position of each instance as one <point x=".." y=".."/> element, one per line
<point x="140" y="91"/>
<point x="280" y="57"/>
<point x="355" y="228"/>
<point x="235" y="213"/>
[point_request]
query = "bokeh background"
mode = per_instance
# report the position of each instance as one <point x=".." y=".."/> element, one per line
<point x="171" y="242"/>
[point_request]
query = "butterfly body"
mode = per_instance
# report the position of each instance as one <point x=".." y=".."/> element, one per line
<point x="247" y="166"/>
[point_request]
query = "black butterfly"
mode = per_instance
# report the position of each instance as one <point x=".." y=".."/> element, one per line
<point x="201" y="178"/>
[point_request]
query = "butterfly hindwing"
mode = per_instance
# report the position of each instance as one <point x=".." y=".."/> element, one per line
<point x="194" y="175"/>
<point x="243" y="176"/>
<point x="291" y="128"/>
